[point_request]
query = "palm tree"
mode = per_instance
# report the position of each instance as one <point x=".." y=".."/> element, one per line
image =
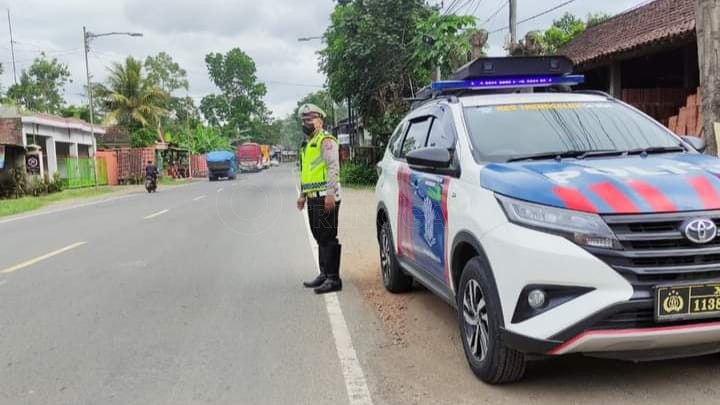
<point x="130" y="99"/>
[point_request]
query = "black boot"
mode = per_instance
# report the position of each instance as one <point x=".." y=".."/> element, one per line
<point x="320" y="279"/>
<point x="333" y="282"/>
<point x="317" y="282"/>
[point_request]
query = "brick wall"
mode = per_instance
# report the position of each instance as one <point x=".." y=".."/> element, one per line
<point x="11" y="131"/>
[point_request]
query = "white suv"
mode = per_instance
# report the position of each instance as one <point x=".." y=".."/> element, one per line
<point x="554" y="221"/>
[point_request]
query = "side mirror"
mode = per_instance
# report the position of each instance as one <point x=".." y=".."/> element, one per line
<point x="429" y="158"/>
<point x="696" y="142"/>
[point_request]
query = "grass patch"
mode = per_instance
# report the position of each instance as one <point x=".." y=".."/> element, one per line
<point x="25" y="204"/>
<point x="169" y="181"/>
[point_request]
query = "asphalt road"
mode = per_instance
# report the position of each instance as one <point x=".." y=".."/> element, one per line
<point x="190" y="295"/>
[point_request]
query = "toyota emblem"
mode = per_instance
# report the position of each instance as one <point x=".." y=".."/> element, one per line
<point x="700" y="230"/>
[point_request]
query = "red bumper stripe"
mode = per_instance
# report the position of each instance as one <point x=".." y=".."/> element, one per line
<point x="654" y="197"/>
<point x="573" y="199"/>
<point x="638" y="331"/>
<point x="615" y="198"/>
<point x="706" y="192"/>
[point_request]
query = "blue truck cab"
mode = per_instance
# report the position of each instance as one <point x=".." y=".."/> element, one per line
<point x="222" y="164"/>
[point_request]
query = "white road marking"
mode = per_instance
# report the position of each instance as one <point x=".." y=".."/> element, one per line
<point x="355" y="383"/>
<point x="198" y="198"/>
<point x="156" y="214"/>
<point x="220" y="190"/>
<point x="41" y="258"/>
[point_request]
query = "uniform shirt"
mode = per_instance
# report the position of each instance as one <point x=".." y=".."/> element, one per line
<point x="331" y="156"/>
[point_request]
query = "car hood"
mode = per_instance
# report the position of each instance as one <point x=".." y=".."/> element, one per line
<point x="623" y="185"/>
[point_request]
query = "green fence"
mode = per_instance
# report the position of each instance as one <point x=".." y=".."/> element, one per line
<point x="81" y="172"/>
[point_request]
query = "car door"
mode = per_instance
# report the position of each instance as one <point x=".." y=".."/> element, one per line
<point x="425" y="223"/>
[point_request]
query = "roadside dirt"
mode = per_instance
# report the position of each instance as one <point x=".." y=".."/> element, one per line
<point x="423" y="362"/>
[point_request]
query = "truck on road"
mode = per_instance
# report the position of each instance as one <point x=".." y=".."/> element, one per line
<point x="222" y="164"/>
<point x="250" y="157"/>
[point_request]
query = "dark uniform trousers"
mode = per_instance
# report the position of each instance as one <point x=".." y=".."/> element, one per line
<point x="324" y="227"/>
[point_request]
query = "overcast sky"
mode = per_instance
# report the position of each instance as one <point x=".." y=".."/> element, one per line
<point x="188" y="30"/>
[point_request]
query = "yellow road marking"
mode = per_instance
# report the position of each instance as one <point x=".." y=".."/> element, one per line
<point x="41" y="258"/>
<point x="156" y="214"/>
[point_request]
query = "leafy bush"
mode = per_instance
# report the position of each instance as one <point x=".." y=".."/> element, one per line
<point x="142" y="137"/>
<point x="358" y="174"/>
<point x="56" y="185"/>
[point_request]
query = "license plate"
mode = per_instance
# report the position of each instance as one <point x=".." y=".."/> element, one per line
<point x="687" y="301"/>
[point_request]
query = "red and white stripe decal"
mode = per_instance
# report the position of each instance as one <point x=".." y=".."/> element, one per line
<point x="565" y="347"/>
<point x="615" y="198"/>
<point x="707" y="193"/>
<point x="574" y="199"/>
<point x="654" y="197"/>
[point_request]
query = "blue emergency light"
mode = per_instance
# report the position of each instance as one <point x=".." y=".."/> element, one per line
<point x="509" y="82"/>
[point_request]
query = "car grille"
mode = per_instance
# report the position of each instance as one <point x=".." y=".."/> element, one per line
<point x="655" y="252"/>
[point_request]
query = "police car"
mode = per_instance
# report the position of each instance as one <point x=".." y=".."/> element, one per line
<point x="555" y="221"/>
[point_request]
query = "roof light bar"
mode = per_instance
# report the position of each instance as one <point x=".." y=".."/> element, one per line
<point x="509" y="82"/>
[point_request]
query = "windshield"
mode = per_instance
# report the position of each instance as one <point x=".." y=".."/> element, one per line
<point x="502" y="132"/>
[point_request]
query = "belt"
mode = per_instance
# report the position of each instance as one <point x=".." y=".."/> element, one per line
<point x="316" y="194"/>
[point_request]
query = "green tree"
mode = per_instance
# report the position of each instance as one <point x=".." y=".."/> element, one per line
<point x="561" y="32"/>
<point x="443" y="40"/>
<point x="131" y="100"/>
<point x="378" y="52"/>
<point x="165" y="73"/>
<point x="203" y="139"/>
<point x="368" y="58"/>
<point x="239" y="108"/>
<point x="73" y="111"/>
<point x="566" y="29"/>
<point x="596" y="18"/>
<point x="41" y="86"/>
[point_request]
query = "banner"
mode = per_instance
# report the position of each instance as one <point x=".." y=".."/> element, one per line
<point x="2" y="157"/>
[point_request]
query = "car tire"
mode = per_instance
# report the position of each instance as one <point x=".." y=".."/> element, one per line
<point x="394" y="279"/>
<point x="480" y="319"/>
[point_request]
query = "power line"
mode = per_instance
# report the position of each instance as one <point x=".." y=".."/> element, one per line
<point x="550" y="10"/>
<point x="496" y="12"/>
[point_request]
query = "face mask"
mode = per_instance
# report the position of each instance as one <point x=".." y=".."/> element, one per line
<point x="308" y="130"/>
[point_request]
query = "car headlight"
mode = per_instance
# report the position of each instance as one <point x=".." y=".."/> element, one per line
<point x="583" y="228"/>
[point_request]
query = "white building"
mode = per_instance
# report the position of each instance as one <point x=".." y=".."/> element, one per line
<point x="58" y="138"/>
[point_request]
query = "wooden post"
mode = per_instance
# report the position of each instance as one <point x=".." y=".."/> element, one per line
<point x="707" y="17"/>
<point x="615" y="80"/>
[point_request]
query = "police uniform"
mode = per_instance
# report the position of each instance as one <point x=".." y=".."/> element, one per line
<point x="319" y="176"/>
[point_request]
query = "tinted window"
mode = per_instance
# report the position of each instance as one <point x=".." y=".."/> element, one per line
<point x="396" y="138"/>
<point x="441" y="134"/>
<point x="501" y="132"/>
<point x="416" y="136"/>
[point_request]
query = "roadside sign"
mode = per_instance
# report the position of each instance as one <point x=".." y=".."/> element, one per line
<point x="344" y="139"/>
<point x="33" y="163"/>
<point x="2" y="156"/>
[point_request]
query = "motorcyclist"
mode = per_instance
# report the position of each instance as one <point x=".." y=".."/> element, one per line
<point x="151" y="171"/>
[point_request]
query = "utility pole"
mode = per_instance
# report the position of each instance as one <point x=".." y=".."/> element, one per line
<point x="707" y="22"/>
<point x="513" y="23"/>
<point x="86" y="47"/>
<point x="12" y="46"/>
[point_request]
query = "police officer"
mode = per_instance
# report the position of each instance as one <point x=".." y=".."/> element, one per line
<point x="320" y="191"/>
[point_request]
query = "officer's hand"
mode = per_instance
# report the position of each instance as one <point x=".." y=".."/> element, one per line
<point x="301" y="203"/>
<point x="329" y="203"/>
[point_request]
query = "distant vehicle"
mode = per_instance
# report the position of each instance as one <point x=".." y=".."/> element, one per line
<point x="265" y="156"/>
<point x="249" y="156"/>
<point x="222" y="164"/>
